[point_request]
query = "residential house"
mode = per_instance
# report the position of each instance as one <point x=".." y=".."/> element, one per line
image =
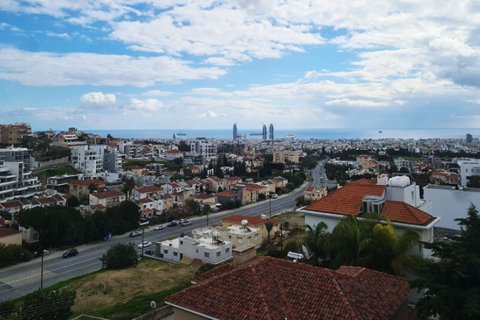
<point x="207" y="249"/>
<point x="144" y="192"/>
<point x="81" y="188"/>
<point x="445" y="177"/>
<point x="229" y="199"/>
<point x="277" y="289"/>
<point x="312" y="193"/>
<point x="216" y="184"/>
<point x="284" y="156"/>
<point x="231" y="182"/>
<point x="206" y="199"/>
<point x="106" y="199"/>
<point x="251" y="192"/>
<point x="60" y="183"/>
<point x="173" y="154"/>
<point x="67" y="139"/>
<point x="252" y="222"/>
<point x="171" y="188"/>
<point x="280" y="182"/>
<point x="17" y="181"/>
<point x="238" y="235"/>
<point x="396" y="199"/>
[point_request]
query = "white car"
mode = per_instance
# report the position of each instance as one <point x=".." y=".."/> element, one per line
<point x="144" y="244"/>
<point x="184" y="222"/>
<point x="160" y="226"/>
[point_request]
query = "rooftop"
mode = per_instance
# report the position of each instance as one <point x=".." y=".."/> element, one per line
<point x="108" y="194"/>
<point x="269" y="288"/>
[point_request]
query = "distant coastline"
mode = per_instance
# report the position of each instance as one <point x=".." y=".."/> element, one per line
<point x="329" y="134"/>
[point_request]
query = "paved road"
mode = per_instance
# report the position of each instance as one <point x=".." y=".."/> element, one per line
<point x="318" y="175"/>
<point x="21" y="279"/>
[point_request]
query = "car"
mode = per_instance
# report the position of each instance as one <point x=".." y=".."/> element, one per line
<point x="160" y="226"/>
<point x="274" y="196"/>
<point x="185" y="222"/>
<point x="39" y="253"/>
<point x="172" y="223"/>
<point x="144" y="244"/>
<point x="70" y="253"/>
<point x="135" y="234"/>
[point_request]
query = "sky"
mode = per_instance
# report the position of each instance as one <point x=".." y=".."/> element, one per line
<point x="203" y="64"/>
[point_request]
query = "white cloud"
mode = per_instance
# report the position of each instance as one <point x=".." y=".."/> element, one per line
<point x="146" y="105"/>
<point x="9" y="27"/>
<point x="355" y="103"/>
<point x="157" y="93"/>
<point x="98" y="99"/>
<point x="64" y="36"/>
<point x="50" y="69"/>
<point x="212" y="114"/>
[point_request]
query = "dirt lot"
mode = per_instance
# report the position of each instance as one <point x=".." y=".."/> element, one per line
<point x="109" y="288"/>
<point x="295" y="219"/>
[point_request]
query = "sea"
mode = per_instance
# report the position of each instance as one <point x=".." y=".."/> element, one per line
<point x="327" y="134"/>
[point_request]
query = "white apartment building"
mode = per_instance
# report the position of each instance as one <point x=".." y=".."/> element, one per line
<point x="130" y="149"/>
<point x="468" y="167"/>
<point x="207" y="149"/>
<point x="16" y="181"/>
<point x="212" y="250"/>
<point x="88" y="159"/>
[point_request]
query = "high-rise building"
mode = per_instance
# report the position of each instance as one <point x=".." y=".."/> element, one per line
<point x="469" y="138"/>
<point x="235" y="131"/>
<point x="264" y="132"/>
<point x="270" y="132"/>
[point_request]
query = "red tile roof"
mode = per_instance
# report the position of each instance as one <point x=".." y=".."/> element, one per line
<point x="253" y="186"/>
<point x="227" y="194"/>
<point x="148" y="189"/>
<point x="269" y="288"/>
<point x="204" y="196"/>
<point x="398" y="211"/>
<point x="86" y="182"/>
<point x="145" y="200"/>
<point x="11" y="204"/>
<point x="348" y="200"/>
<point x="108" y="194"/>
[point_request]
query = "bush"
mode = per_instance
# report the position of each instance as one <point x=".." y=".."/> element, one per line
<point x="120" y="256"/>
<point x="12" y="254"/>
<point x="43" y="304"/>
<point x="205" y="267"/>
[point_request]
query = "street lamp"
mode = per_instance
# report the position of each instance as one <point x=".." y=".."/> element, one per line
<point x="270" y="205"/>
<point x="143" y="237"/>
<point x="41" y="268"/>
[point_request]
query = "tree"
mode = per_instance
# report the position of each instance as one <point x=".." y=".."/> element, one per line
<point x="192" y="207"/>
<point x="73" y="202"/>
<point x="183" y="146"/>
<point x="129" y="185"/>
<point x="12" y="254"/>
<point x="451" y="282"/>
<point x="109" y="137"/>
<point x="124" y="217"/>
<point x="47" y="305"/>
<point x="120" y="256"/>
<point x="269" y="227"/>
<point x="317" y="241"/>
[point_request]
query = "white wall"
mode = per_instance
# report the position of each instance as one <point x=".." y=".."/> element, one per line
<point x="450" y="204"/>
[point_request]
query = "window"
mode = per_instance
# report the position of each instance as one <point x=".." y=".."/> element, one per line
<point x="175" y="254"/>
<point x="206" y="254"/>
<point x="227" y="250"/>
<point x="256" y="236"/>
<point x="239" y="239"/>
<point x="181" y="242"/>
<point x="165" y="251"/>
<point x="219" y="253"/>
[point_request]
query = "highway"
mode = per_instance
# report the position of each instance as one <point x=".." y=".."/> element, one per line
<point x="318" y="175"/>
<point x="21" y="279"/>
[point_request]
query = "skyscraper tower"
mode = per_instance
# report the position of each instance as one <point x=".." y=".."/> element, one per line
<point x="270" y="132"/>
<point x="235" y="134"/>
<point x="264" y="132"/>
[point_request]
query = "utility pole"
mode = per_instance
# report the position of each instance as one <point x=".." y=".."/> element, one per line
<point x="143" y="237"/>
<point x="270" y="205"/>
<point x="41" y="269"/>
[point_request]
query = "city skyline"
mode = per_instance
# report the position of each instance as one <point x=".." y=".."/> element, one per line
<point x="208" y="64"/>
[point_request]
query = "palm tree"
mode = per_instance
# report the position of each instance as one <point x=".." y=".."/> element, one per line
<point x="317" y="241"/>
<point x="372" y="243"/>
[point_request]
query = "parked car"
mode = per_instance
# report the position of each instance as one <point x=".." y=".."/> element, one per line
<point x="172" y="223"/>
<point x="274" y="196"/>
<point x="185" y="222"/>
<point x="39" y="253"/>
<point x="70" y="253"/>
<point x="135" y="234"/>
<point x="160" y="226"/>
<point x="144" y="244"/>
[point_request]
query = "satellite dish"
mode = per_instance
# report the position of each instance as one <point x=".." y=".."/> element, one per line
<point x="215" y="233"/>
<point x="244" y="222"/>
<point x="263" y="216"/>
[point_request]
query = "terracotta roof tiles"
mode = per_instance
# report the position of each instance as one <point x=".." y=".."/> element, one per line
<point x="402" y="212"/>
<point x="269" y="288"/>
